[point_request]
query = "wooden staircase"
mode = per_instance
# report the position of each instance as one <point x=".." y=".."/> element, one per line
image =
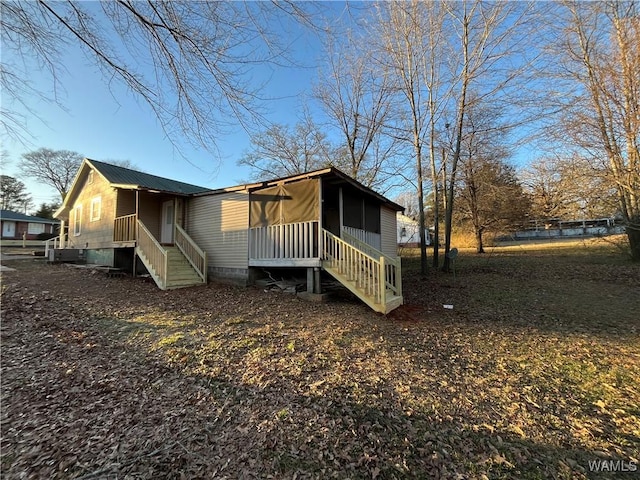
<point x="368" y="273"/>
<point x="181" y="265"/>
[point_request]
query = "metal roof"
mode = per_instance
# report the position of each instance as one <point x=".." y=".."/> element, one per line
<point x="21" y="217"/>
<point x="125" y="176"/>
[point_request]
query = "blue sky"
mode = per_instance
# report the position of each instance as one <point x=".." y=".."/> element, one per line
<point x="102" y="120"/>
<point x="106" y="122"/>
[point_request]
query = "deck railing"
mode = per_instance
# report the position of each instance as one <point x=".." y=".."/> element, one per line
<point x="154" y="253"/>
<point x="352" y="263"/>
<point x="290" y="240"/>
<point x="370" y="238"/>
<point x="196" y="256"/>
<point x="393" y="267"/>
<point x="124" y="228"/>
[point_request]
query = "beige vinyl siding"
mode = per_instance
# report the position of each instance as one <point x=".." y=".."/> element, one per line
<point x="219" y="224"/>
<point x="99" y="232"/>
<point x="388" y="232"/>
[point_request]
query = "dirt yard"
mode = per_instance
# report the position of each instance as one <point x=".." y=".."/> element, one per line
<point x="532" y="374"/>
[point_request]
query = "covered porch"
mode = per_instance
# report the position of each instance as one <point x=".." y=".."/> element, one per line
<point x="156" y="231"/>
<point x="287" y="221"/>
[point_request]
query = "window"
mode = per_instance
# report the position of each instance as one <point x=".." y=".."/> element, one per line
<point x="90" y="177"/>
<point x="35" y="228"/>
<point x="403" y="232"/>
<point x="77" y="216"/>
<point x="96" y="205"/>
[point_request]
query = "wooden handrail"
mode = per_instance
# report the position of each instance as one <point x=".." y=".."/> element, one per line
<point x="196" y="256"/>
<point x="369" y="238"/>
<point x="393" y="272"/>
<point x="153" y="251"/>
<point x="360" y="245"/>
<point x="124" y="228"/>
<point x="389" y="268"/>
<point x="47" y="244"/>
<point x="363" y="270"/>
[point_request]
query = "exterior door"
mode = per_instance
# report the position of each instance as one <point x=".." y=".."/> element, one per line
<point x="168" y="218"/>
<point x="9" y="229"/>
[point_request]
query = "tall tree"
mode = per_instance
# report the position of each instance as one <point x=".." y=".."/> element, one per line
<point x="357" y="97"/>
<point x="401" y="53"/>
<point x="281" y="151"/>
<point x="198" y="74"/>
<point x="489" y="197"/>
<point x="599" y="50"/>
<point x="13" y="194"/>
<point x="46" y="210"/>
<point x="490" y="55"/>
<point x="56" y="168"/>
<point x="488" y="193"/>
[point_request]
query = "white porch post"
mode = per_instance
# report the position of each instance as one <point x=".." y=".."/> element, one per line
<point x="63" y="237"/>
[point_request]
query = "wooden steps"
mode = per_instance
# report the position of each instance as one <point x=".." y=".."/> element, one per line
<point x="179" y="274"/>
<point x="366" y="272"/>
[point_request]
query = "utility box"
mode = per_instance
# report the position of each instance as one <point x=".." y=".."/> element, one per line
<point x="67" y="255"/>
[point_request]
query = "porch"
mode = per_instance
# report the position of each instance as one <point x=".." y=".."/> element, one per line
<point x="170" y="266"/>
<point x="299" y="244"/>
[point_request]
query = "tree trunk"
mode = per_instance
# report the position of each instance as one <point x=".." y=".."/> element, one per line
<point x="422" y="222"/>
<point x="633" y="234"/>
<point x="479" y="245"/>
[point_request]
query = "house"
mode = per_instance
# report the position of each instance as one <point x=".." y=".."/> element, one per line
<point x="318" y="221"/>
<point x="15" y="225"/>
<point x="409" y="232"/>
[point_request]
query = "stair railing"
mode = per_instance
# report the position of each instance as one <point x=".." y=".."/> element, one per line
<point x="392" y="266"/>
<point x="52" y="243"/>
<point x="365" y="271"/>
<point x="196" y="256"/>
<point x="153" y="252"/>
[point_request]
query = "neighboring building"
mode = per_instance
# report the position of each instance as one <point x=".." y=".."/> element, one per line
<point x="409" y="232"/>
<point x="15" y="225"/>
<point x="183" y="233"/>
<point x="556" y="228"/>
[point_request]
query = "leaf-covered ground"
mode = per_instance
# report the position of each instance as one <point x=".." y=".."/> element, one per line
<point x="533" y="374"/>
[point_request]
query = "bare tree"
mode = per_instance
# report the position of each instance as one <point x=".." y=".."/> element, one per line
<point x="281" y="151"/>
<point x="599" y="50"/>
<point x="568" y="188"/>
<point x="198" y="75"/>
<point x="357" y="98"/>
<point x="490" y="55"/>
<point x="56" y="168"/>
<point x="489" y="195"/>
<point x="401" y="53"/>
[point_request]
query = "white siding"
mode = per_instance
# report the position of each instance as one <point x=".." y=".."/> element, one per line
<point x="219" y="224"/>
<point x="388" y="232"/>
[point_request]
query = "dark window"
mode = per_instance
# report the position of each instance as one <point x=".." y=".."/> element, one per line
<point x="372" y="217"/>
<point x="352" y="207"/>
